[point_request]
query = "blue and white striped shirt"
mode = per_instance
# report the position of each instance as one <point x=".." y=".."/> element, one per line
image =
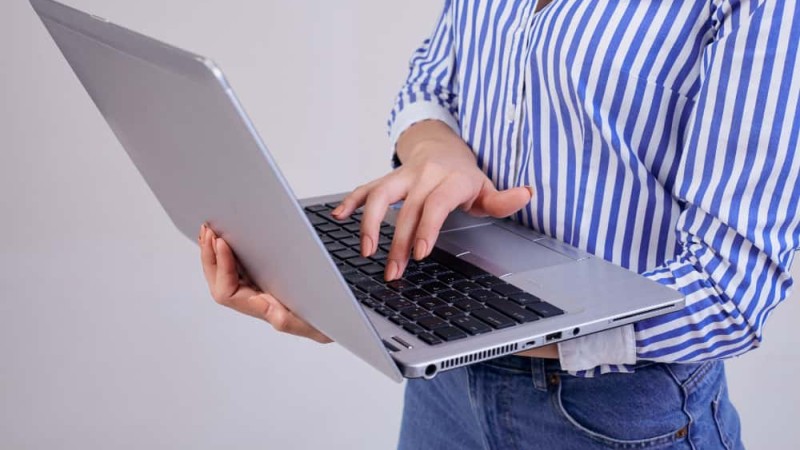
<point x="659" y="135"/>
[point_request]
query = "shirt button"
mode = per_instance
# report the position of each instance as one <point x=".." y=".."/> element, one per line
<point x="511" y="110"/>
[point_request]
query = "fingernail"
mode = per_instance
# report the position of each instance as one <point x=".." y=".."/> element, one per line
<point x="420" y="249"/>
<point x="338" y="210"/>
<point x="366" y="246"/>
<point x="391" y="270"/>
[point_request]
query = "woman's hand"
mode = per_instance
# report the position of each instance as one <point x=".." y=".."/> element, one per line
<point x="439" y="174"/>
<point x="231" y="289"/>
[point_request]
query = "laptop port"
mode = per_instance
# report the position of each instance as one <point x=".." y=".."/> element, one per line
<point x="553" y="336"/>
<point x="430" y="371"/>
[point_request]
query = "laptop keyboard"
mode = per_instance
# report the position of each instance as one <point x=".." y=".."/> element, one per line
<point x="441" y="298"/>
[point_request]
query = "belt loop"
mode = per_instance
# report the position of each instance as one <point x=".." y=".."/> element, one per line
<point x="539" y="374"/>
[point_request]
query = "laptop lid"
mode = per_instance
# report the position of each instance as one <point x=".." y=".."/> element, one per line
<point x="187" y="134"/>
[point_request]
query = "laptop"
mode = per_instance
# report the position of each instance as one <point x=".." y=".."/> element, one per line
<point x="490" y="288"/>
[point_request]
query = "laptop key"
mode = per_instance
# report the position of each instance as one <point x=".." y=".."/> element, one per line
<point x="399" y="320"/>
<point x="450" y="333"/>
<point x="368" y="302"/>
<point x="431" y="322"/>
<point x="413" y="328"/>
<point x="493" y="318"/>
<point x="429" y="339"/>
<point x="506" y="289"/>
<point x="523" y="298"/>
<point x="380" y="255"/>
<point x="435" y="269"/>
<point x="371" y="269"/>
<point x="415" y="294"/>
<point x="355" y="277"/>
<point x="340" y="234"/>
<point x="448" y="312"/>
<point x="384" y="311"/>
<point x="326" y="239"/>
<point x="544" y="309"/>
<point x="398" y="303"/>
<point x="468" y="305"/>
<point x="435" y="286"/>
<point x="315" y="208"/>
<point x="431" y="302"/>
<point x="457" y="264"/>
<point x="401" y="285"/>
<point x="466" y="286"/>
<point x="352" y="241"/>
<point x="334" y="246"/>
<point x="315" y="219"/>
<point x="450" y="296"/>
<point x="449" y="277"/>
<point x="368" y="285"/>
<point x="358" y="261"/>
<point x="345" y="253"/>
<point x="384" y="295"/>
<point x="327" y="227"/>
<point x="414" y="313"/>
<point x="419" y="278"/>
<point x="512" y="310"/>
<point x="471" y="325"/>
<point x="484" y="295"/>
<point x="352" y="227"/>
<point x="489" y="281"/>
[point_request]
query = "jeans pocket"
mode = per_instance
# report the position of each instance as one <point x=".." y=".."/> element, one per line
<point x="639" y="410"/>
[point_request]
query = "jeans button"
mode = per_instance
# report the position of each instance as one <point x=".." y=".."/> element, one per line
<point x="554" y="379"/>
<point x="682" y="433"/>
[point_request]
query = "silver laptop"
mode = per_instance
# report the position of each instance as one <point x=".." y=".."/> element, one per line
<point x="491" y="287"/>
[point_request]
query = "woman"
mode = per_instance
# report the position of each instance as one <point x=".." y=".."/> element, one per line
<point x="660" y="136"/>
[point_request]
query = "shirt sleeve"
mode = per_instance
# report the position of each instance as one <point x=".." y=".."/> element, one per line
<point x="429" y="91"/>
<point x="740" y="188"/>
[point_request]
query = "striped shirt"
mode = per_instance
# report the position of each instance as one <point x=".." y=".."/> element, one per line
<point x="659" y="135"/>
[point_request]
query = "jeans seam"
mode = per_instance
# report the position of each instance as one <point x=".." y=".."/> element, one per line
<point x="685" y="408"/>
<point x="720" y="425"/>
<point x="475" y="409"/>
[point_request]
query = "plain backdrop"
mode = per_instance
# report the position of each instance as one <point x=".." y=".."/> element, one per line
<point x="108" y="337"/>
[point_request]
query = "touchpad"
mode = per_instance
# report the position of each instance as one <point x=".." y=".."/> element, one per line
<point x="501" y="248"/>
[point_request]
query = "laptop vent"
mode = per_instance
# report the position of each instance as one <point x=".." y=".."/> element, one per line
<point x="479" y="356"/>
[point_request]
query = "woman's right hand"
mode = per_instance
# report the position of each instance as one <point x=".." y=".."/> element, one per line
<point x="231" y="289"/>
<point x="439" y="174"/>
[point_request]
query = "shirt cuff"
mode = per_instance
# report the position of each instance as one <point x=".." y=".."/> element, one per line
<point x="419" y="111"/>
<point x="615" y="346"/>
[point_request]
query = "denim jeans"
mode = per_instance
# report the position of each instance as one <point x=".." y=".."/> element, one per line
<point x="530" y="403"/>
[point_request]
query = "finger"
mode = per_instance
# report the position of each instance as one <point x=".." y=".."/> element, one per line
<point x="353" y="200"/>
<point x="446" y="197"/>
<point x="286" y="321"/>
<point x="207" y="256"/>
<point x="499" y="204"/>
<point x="390" y="190"/>
<point x="404" y="230"/>
<point x="227" y="276"/>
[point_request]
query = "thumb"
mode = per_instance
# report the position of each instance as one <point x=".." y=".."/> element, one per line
<point x="499" y="204"/>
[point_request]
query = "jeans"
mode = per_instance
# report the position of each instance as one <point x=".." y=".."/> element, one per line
<point x="530" y="403"/>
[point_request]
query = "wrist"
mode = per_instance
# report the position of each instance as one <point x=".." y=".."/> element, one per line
<point x="428" y="137"/>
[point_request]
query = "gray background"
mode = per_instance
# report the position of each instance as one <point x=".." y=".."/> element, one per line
<point x="108" y="338"/>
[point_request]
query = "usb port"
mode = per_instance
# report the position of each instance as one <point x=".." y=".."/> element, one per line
<point x="552" y="336"/>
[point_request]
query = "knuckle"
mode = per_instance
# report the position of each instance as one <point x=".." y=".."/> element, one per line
<point x="222" y="300"/>
<point x="280" y="322"/>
